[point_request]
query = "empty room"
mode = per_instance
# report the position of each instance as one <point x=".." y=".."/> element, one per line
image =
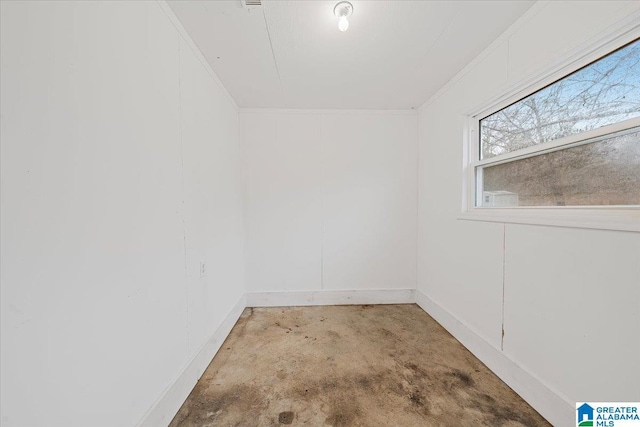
<point x="320" y="213"/>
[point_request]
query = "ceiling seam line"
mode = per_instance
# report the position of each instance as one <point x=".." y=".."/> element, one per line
<point x="453" y="14"/>
<point x="273" y="55"/>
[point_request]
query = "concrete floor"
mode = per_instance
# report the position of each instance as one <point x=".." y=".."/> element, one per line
<point x="380" y="365"/>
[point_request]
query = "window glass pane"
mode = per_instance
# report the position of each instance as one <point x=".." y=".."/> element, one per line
<point x="602" y="93"/>
<point x="605" y="172"/>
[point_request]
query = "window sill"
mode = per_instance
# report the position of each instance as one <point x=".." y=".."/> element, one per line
<point x="600" y="218"/>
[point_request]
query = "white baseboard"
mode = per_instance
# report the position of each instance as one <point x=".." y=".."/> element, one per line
<point x="304" y="298"/>
<point x="548" y="403"/>
<point x="166" y="407"/>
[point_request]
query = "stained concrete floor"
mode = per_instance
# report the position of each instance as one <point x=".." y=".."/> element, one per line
<point x="380" y="365"/>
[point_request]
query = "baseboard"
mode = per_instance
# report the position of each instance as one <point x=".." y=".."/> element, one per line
<point x="166" y="407"/>
<point x="548" y="403"/>
<point x="305" y="298"/>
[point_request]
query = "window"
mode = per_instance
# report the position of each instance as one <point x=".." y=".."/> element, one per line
<point x="602" y="171"/>
<point x="574" y="143"/>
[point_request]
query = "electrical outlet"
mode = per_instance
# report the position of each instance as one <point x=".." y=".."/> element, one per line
<point x="203" y="269"/>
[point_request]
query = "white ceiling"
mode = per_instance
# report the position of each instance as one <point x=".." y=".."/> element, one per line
<point x="290" y="54"/>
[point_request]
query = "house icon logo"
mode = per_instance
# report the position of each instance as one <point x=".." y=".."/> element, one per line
<point x="585" y="415"/>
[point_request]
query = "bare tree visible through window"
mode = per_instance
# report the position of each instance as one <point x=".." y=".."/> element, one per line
<point x="605" y="172"/>
<point x="602" y="93"/>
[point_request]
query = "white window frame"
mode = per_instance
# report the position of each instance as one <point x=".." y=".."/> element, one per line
<point x="623" y="218"/>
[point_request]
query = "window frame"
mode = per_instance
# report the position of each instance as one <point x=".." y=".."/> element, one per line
<point x="609" y="217"/>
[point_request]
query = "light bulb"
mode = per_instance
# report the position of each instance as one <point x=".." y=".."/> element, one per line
<point x="343" y="10"/>
<point x="343" y="23"/>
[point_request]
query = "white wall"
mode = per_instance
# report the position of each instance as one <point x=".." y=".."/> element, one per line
<point x="571" y="306"/>
<point x="330" y="199"/>
<point x="120" y="173"/>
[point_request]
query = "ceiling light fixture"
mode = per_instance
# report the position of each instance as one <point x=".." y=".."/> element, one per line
<point x="343" y="10"/>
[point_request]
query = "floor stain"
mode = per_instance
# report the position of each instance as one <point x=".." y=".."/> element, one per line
<point x="369" y="365"/>
<point x="285" y="417"/>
